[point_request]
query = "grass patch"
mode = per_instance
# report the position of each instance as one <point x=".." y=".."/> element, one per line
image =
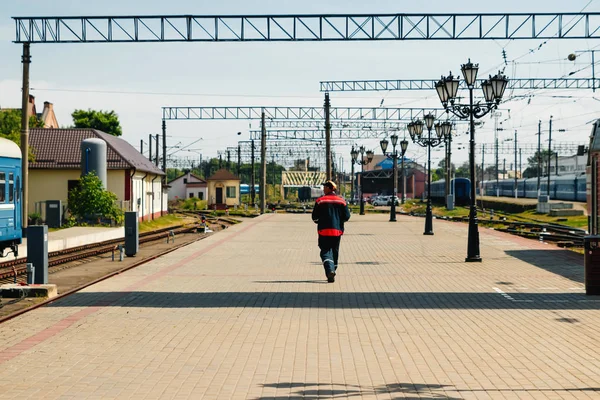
<point x="579" y="221"/>
<point x="165" y="222"/>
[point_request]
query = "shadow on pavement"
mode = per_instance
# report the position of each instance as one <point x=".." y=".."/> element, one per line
<point x="571" y="266"/>
<point x="335" y="300"/>
<point x="324" y="281"/>
<point x="301" y="390"/>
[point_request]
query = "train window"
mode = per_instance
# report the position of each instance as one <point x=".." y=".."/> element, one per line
<point x="11" y="187"/>
<point x="2" y="187"/>
<point x="18" y="189"/>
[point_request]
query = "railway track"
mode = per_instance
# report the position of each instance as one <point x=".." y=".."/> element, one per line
<point x="562" y="235"/>
<point x="11" y="269"/>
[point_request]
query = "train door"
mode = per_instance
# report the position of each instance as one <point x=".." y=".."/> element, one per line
<point x="18" y="196"/>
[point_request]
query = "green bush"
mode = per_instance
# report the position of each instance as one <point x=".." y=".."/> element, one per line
<point x="194" y="204"/>
<point x="89" y="201"/>
<point x="35" y="219"/>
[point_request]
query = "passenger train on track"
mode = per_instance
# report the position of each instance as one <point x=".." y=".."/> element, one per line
<point x="10" y="197"/>
<point x="460" y="187"/>
<point x="562" y="187"/>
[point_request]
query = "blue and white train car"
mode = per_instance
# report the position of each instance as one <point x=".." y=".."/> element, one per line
<point x="10" y="196"/>
<point x="459" y="187"/>
<point x="562" y="187"/>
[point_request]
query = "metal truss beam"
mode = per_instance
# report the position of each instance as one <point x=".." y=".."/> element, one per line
<point x="429" y="84"/>
<point x="320" y="125"/>
<point x="528" y="148"/>
<point x="297" y="113"/>
<point x="338" y="137"/>
<point x="291" y="143"/>
<point x="292" y="28"/>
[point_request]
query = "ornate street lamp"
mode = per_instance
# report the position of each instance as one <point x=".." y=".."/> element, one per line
<point x="403" y="147"/>
<point x="493" y="90"/>
<point x="415" y="129"/>
<point x="362" y="162"/>
<point x="354" y="155"/>
<point x="444" y="129"/>
<point x="394" y="154"/>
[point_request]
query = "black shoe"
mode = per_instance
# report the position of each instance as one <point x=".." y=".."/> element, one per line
<point x="331" y="277"/>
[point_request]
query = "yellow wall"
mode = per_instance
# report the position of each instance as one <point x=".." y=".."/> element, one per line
<point x="212" y="192"/>
<point x="46" y="184"/>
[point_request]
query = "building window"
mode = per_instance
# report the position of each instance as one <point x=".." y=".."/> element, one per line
<point x="201" y="195"/>
<point x="191" y="195"/>
<point x="231" y="192"/>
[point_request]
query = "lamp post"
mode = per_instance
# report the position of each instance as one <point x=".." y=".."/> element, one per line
<point x="415" y="129"/>
<point x="394" y="154"/>
<point x="361" y="162"/>
<point x="403" y="146"/>
<point x="493" y="90"/>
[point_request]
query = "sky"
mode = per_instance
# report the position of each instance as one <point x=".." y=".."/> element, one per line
<point x="288" y="74"/>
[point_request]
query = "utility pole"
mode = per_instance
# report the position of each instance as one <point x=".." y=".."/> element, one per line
<point x="239" y="168"/>
<point x="549" y="155"/>
<point x="327" y="137"/>
<point x="482" y="165"/>
<point x="515" y="169"/>
<point x="26" y="60"/>
<point x="520" y="165"/>
<point x="504" y="169"/>
<point x="556" y="163"/>
<point x="156" y="155"/>
<point x="273" y="173"/>
<point x="448" y="164"/>
<point x="496" y="115"/>
<point x="164" y="160"/>
<point x="539" y="157"/>
<point x="252" y="183"/>
<point x="228" y="160"/>
<point x="150" y="147"/>
<point x="263" y="163"/>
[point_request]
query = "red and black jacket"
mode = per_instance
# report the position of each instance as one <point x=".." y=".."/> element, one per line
<point x="330" y="213"/>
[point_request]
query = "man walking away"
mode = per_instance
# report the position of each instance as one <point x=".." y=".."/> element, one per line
<point x="330" y="213"/>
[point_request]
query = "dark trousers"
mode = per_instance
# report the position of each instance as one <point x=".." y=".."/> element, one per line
<point x="330" y="249"/>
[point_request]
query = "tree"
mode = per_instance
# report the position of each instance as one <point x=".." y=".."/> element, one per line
<point x="441" y="169"/>
<point x="10" y="126"/>
<point x="464" y="171"/>
<point x="104" y="121"/>
<point x="89" y="200"/>
<point x="542" y="158"/>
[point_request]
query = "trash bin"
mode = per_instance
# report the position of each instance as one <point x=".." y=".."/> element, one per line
<point x="591" y="245"/>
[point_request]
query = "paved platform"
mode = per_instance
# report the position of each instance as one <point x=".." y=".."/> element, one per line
<point x="75" y="236"/>
<point x="247" y="314"/>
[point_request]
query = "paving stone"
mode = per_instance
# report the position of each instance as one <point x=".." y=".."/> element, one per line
<point x="248" y="314"/>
